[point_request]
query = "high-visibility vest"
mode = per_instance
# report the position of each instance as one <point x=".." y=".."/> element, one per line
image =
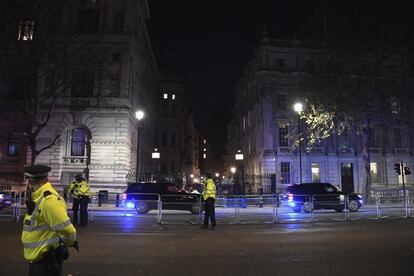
<point x="83" y="189"/>
<point x="209" y="189"/>
<point x="47" y="226"/>
<point x="79" y="189"/>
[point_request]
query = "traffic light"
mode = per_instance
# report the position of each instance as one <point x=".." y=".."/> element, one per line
<point x="397" y="168"/>
<point x="407" y="171"/>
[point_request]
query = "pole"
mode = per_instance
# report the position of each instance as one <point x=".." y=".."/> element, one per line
<point x="403" y="176"/>
<point x="136" y="167"/>
<point x="242" y="179"/>
<point x="300" y="151"/>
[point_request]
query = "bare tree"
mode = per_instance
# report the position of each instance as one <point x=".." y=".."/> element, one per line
<point x="45" y="55"/>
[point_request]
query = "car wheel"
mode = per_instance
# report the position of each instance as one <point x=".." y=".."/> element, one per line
<point x="297" y="209"/>
<point x="353" y="206"/>
<point x="339" y="210"/>
<point x="307" y="207"/>
<point x="196" y="208"/>
<point x="142" y="207"/>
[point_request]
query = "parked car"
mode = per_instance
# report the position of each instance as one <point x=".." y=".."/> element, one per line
<point x="6" y="199"/>
<point x="323" y="195"/>
<point x="144" y="197"/>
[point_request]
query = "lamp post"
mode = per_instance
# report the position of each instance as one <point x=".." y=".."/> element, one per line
<point x="155" y="156"/>
<point x="298" y="107"/>
<point x="239" y="160"/>
<point x="139" y="115"/>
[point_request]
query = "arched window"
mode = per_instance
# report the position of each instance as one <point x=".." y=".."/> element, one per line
<point x="79" y="139"/>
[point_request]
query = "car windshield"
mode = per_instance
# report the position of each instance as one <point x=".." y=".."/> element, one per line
<point x="173" y="189"/>
<point x="329" y="188"/>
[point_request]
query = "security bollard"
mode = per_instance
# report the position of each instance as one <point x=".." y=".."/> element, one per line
<point x="117" y="200"/>
<point x="99" y="199"/>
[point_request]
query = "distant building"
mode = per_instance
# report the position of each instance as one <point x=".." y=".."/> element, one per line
<point x="177" y="137"/>
<point x="94" y="119"/>
<point x="283" y="71"/>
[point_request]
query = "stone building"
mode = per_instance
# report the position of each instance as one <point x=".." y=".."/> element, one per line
<point x="93" y="128"/>
<point x="177" y="137"/>
<point x="284" y="71"/>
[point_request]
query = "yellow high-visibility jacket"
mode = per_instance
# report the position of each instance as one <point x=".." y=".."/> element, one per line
<point x="79" y="189"/>
<point x="83" y="189"/>
<point x="48" y="225"/>
<point x="209" y="189"/>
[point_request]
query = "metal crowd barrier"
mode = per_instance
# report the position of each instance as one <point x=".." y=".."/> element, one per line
<point x="239" y="209"/>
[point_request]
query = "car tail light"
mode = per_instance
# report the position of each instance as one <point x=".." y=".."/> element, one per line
<point x="290" y="197"/>
<point x="124" y="196"/>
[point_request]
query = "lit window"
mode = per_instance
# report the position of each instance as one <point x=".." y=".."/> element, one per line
<point x="204" y="156"/>
<point x="79" y="139"/>
<point x="316" y="174"/>
<point x="374" y="172"/>
<point x="204" y="141"/>
<point x="283" y="136"/>
<point x="26" y="30"/>
<point x="165" y="96"/>
<point x="173" y="96"/>
<point x="204" y="149"/>
<point x="285" y="172"/>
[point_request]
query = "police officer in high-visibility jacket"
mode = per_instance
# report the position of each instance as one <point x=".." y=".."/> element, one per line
<point x="47" y="230"/>
<point x="209" y="196"/>
<point x="80" y="190"/>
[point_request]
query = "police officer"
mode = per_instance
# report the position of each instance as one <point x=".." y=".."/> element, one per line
<point x="80" y="190"/>
<point x="209" y="196"/>
<point x="47" y="230"/>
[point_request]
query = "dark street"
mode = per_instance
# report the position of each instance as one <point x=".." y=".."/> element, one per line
<point x="131" y="246"/>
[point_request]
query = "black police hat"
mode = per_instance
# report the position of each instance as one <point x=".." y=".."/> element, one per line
<point x="78" y="176"/>
<point x="36" y="171"/>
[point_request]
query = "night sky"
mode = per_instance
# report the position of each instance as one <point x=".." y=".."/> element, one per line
<point x="207" y="44"/>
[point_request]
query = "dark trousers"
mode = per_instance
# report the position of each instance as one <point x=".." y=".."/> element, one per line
<point x="209" y="212"/>
<point x="75" y="209"/>
<point x="50" y="265"/>
<point x="84" y="201"/>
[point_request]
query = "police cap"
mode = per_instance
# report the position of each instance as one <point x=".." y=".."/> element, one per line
<point x="78" y="176"/>
<point x="36" y="171"/>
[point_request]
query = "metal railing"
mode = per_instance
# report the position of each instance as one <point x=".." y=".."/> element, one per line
<point x="241" y="209"/>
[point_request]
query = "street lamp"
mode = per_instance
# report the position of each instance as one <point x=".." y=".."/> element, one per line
<point x="298" y="107"/>
<point x="139" y="115"/>
<point x="239" y="160"/>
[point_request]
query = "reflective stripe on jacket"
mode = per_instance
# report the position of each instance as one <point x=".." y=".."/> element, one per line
<point x="209" y="189"/>
<point x="47" y="225"/>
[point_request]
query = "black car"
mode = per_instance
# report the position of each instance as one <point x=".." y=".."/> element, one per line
<point x="144" y="197"/>
<point x="323" y="196"/>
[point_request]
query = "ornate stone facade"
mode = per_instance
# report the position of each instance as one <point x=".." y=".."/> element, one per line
<point x="281" y="72"/>
<point x="125" y="81"/>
